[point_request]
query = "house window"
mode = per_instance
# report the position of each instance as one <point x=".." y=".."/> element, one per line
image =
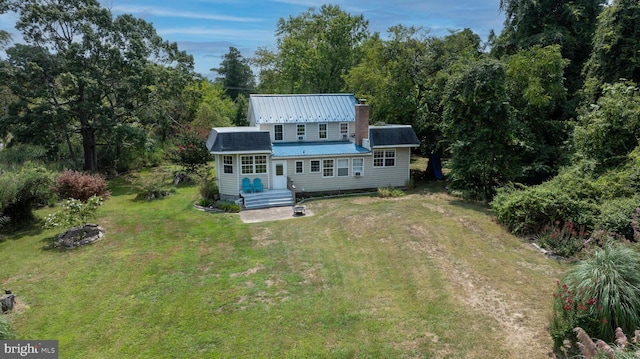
<point x="247" y="165"/>
<point x="343" y="167"/>
<point x="299" y="167"/>
<point x="344" y="130"/>
<point x="384" y="158"/>
<point x="357" y="165"/>
<point x="315" y="166"/>
<point x="301" y="131"/>
<point x="261" y="164"/>
<point x="278" y="132"/>
<point x="322" y="130"/>
<point x="227" y="164"/>
<point x="253" y="164"/>
<point x="327" y="168"/>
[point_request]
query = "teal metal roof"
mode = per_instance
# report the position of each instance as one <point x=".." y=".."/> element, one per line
<point x="269" y="109"/>
<point x="316" y="149"/>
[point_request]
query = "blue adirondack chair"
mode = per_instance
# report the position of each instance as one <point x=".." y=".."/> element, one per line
<point x="246" y="185"/>
<point x="257" y="185"/>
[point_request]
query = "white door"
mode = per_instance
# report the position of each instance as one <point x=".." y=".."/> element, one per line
<point x="279" y="174"/>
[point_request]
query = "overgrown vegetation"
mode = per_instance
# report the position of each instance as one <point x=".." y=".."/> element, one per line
<point x="621" y="348"/>
<point x="152" y="186"/>
<point x="23" y="190"/>
<point x="6" y="331"/>
<point x="599" y="294"/>
<point x="390" y="191"/>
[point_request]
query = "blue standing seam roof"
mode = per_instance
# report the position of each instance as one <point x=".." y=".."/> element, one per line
<point x="295" y="149"/>
<point x="310" y="108"/>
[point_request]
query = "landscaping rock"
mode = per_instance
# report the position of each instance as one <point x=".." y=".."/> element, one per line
<point x="81" y="236"/>
<point x="7" y="301"/>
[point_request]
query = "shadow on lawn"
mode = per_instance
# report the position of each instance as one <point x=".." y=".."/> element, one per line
<point x="32" y="229"/>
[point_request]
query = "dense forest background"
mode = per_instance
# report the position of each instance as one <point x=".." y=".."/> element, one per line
<point x="542" y="120"/>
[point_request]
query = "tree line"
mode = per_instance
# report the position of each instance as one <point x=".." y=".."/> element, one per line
<point x="555" y="90"/>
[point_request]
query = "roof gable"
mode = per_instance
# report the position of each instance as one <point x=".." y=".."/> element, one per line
<point x="270" y="109"/>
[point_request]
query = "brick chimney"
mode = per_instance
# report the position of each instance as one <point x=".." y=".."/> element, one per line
<point x="362" y="121"/>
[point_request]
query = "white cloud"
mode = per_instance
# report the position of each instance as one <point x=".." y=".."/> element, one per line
<point x="163" y="12"/>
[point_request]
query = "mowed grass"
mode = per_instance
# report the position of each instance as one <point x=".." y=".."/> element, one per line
<point x="421" y="276"/>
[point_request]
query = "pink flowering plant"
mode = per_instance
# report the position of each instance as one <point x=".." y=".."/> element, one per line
<point x="573" y="307"/>
<point x="190" y="148"/>
<point x="563" y="239"/>
<point x="599" y="294"/>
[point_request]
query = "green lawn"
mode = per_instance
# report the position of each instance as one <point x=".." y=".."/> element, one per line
<point x="421" y="276"/>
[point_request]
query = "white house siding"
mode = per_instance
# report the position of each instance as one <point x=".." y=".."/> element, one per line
<point x="290" y="131"/>
<point x="230" y="184"/>
<point x="372" y="177"/>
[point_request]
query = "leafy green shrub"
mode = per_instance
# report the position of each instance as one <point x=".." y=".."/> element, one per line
<point x="599" y="294"/>
<point x="151" y="186"/>
<point x="616" y="215"/>
<point x="228" y="206"/>
<point x="527" y="211"/>
<point x="390" y="191"/>
<point x="74" y="213"/>
<point x="22" y="190"/>
<point x="6" y="332"/>
<point x="208" y="185"/>
<point x="78" y="185"/>
<point x="563" y="239"/>
<point x="205" y="202"/>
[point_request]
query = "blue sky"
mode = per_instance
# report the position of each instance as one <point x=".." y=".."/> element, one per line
<point x="207" y="28"/>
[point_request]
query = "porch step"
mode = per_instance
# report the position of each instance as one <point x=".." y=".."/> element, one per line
<point x="268" y="198"/>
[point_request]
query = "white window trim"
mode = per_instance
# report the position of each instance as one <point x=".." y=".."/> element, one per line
<point x="384" y="157"/>
<point x="304" y="131"/>
<point x="326" y="131"/>
<point x="319" y="166"/>
<point x="344" y="132"/>
<point x="281" y="132"/>
<point x="302" y="168"/>
<point x="226" y="165"/>
<point x="333" y="167"/>
<point x="254" y="165"/>
<point x="353" y="169"/>
<point x="337" y="167"/>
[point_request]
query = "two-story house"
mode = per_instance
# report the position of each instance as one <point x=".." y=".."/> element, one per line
<point x="308" y="143"/>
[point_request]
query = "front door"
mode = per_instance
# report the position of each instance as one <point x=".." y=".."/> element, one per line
<point x="279" y="174"/>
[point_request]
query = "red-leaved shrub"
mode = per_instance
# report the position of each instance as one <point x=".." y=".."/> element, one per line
<point x="78" y="185"/>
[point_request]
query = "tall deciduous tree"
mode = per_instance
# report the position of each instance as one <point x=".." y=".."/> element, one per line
<point x="87" y="72"/>
<point x="616" y="48"/>
<point x="567" y="23"/>
<point x="314" y="51"/>
<point x="216" y="108"/>
<point x="387" y="75"/>
<point x="403" y="78"/>
<point x="608" y="132"/>
<point x="479" y="125"/>
<point x="235" y="74"/>
<point x="537" y="94"/>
